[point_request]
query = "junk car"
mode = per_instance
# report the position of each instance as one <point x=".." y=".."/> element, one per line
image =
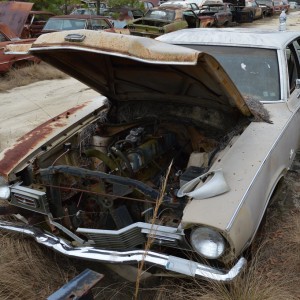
<point x="174" y="164"/>
<point x="164" y="19"/>
<point x="8" y="37"/>
<point x="222" y="12"/>
<point x="75" y="22"/>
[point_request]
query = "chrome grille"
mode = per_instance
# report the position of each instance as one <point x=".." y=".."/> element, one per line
<point x="132" y="236"/>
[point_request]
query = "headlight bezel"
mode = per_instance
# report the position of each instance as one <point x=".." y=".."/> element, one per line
<point x="208" y="242"/>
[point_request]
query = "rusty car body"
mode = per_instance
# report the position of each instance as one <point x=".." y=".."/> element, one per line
<point x="35" y="23"/>
<point x="221" y="12"/>
<point x="164" y="19"/>
<point x="206" y="20"/>
<point x="22" y="20"/>
<point x="183" y="148"/>
<point x="279" y="6"/>
<point x="7" y="37"/>
<point x="13" y="16"/>
<point x="92" y="175"/>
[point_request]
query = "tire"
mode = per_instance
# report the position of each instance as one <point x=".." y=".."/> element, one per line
<point x="251" y="17"/>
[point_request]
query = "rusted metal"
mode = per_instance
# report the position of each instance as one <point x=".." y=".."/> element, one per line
<point x="79" y="287"/>
<point x="9" y="38"/>
<point x="14" y="14"/>
<point x="35" y="23"/>
<point x="27" y="143"/>
<point x="7" y="31"/>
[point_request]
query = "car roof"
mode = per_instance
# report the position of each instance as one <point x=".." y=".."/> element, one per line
<point x="171" y="6"/>
<point x="79" y="17"/>
<point x="248" y="37"/>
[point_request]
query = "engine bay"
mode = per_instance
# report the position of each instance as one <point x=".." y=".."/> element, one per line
<point x="109" y="174"/>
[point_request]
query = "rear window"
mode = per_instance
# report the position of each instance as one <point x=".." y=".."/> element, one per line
<point x="64" y="24"/>
<point x="167" y="15"/>
<point x="254" y="71"/>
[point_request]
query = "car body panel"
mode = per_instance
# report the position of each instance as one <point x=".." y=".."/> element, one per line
<point x="7" y="37"/>
<point x="29" y="145"/>
<point x="14" y="14"/>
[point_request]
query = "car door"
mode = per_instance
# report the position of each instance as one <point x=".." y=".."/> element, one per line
<point x="292" y="53"/>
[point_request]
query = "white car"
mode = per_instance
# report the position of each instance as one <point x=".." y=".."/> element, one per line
<point x="182" y="152"/>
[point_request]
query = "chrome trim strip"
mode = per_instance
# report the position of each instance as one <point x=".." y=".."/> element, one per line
<point x="167" y="262"/>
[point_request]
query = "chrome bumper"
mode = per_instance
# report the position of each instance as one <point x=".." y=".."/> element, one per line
<point x="167" y="262"/>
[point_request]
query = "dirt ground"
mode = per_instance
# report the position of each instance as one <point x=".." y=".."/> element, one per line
<point x="24" y="108"/>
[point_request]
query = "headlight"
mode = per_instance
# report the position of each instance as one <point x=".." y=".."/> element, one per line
<point x="207" y="242"/>
<point x="4" y="189"/>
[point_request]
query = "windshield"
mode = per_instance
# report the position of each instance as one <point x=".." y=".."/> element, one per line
<point x="254" y="71"/>
<point x="64" y="24"/>
<point x="167" y="15"/>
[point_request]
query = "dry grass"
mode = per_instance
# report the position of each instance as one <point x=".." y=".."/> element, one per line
<point x="24" y="76"/>
<point x="29" y="271"/>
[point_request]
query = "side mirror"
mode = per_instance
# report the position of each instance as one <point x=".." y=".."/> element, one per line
<point x="297" y="84"/>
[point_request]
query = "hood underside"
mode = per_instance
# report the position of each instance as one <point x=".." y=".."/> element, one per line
<point x="130" y="68"/>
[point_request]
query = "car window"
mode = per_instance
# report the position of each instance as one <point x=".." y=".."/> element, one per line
<point x="98" y="24"/>
<point x="64" y="24"/>
<point x="254" y="71"/>
<point x="2" y="38"/>
<point x="161" y="14"/>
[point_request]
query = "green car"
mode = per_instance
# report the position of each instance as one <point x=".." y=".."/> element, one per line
<point x="161" y="20"/>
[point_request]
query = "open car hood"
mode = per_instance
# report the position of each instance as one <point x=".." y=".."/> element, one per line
<point x="130" y="68"/>
<point x="14" y="14"/>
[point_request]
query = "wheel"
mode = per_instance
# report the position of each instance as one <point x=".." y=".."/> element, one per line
<point x="251" y="17"/>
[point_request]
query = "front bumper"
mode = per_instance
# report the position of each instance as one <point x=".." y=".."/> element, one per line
<point x="167" y="262"/>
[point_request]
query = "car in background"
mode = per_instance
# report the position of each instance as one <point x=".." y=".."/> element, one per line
<point x="35" y="23"/>
<point x="279" y="6"/>
<point x="9" y="61"/>
<point x="183" y="4"/>
<point x="267" y="7"/>
<point x="90" y="10"/>
<point x="222" y="12"/>
<point x="122" y="16"/>
<point x="255" y="11"/>
<point x="293" y="4"/>
<point x="164" y="19"/>
<point x="75" y="22"/>
<point x="206" y="20"/>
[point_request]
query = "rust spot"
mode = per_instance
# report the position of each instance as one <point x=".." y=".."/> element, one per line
<point x="24" y="145"/>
